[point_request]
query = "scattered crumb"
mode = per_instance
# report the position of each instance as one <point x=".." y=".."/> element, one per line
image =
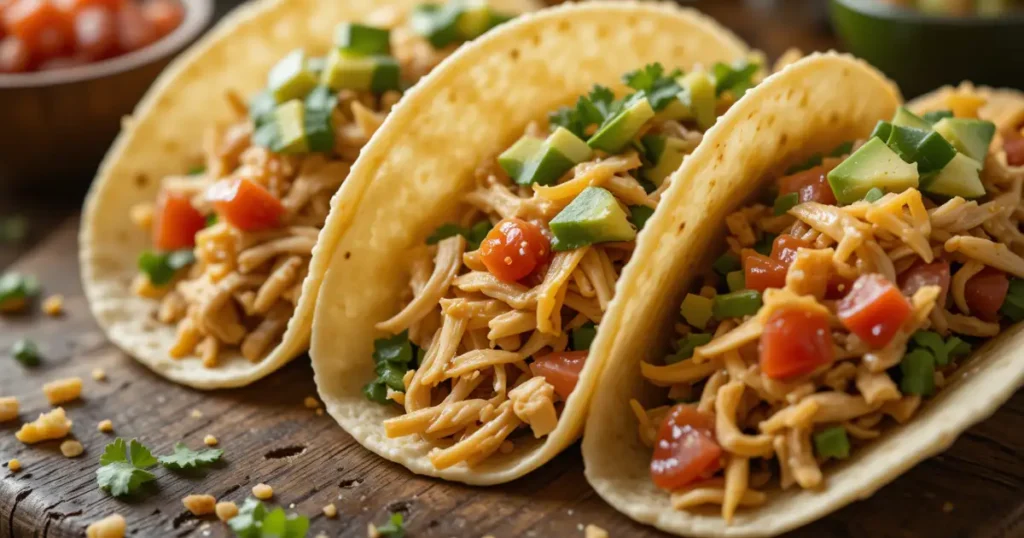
<point x="200" y="505"/>
<point x="14" y="465"/>
<point x="71" y="448"/>
<point x="63" y="390"/>
<point x="311" y="402"/>
<point x="947" y="507"/>
<point x="210" y="440"/>
<point x="112" y="526"/>
<point x="98" y="374"/>
<point x="54" y="305"/>
<point x="568" y="512"/>
<point x="262" y="491"/>
<point x="226" y="510"/>
<point x="371" y="531"/>
<point x="593" y="531"/>
<point x="52" y="425"/>
<point x="331" y="511"/>
<point x="105" y="426"/>
<point x="8" y="408"/>
<point x="197" y="413"/>
<point x="319" y="411"/>
<point x="292" y="506"/>
<point x="579" y="527"/>
<point x="320" y="535"/>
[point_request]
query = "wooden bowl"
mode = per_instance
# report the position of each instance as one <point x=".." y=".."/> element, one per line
<point x="56" y="125"/>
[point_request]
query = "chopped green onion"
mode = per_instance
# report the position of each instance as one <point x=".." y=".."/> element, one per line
<point x="686" y="345"/>
<point x="943" y="350"/>
<point x="696" y="310"/>
<point x="955" y="347"/>
<point x="874" y="195"/>
<point x="841" y="149"/>
<point x="727" y="263"/>
<point x="832" y="443"/>
<point x="15" y="290"/>
<point x="786" y="202"/>
<point x="736" y="280"/>
<point x="583" y="336"/>
<point x="160" y="267"/>
<point x="26" y="352"/>
<point x="918" y="369"/>
<point x="639" y="214"/>
<point x="737" y="304"/>
<point x="936" y="115"/>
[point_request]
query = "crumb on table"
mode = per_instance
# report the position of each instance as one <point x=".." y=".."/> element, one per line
<point x="52" y="425"/>
<point x="200" y="505"/>
<point x="210" y="440"/>
<point x="71" y="448"/>
<point x="63" y="390"/>
<point x="112" y="526"/>
<point x="8" y="408"/>
<point x="98" y="374"/>
<point x="330" y="511"/>
<point x="54" y="305"/>
<point x="105" y="426"/>
<point x="593" y="531"/>
<point x="262" y="491"/>
<point x="226" y="510"/>
<point x="14" y="465"/>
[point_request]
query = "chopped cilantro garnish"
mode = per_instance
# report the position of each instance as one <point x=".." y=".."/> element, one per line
<point x="474" y="235"/>
<point x="660" y="88"/>
<point x="261" y="110"/>
<point x="16" y="289"/>
<point x="639" y="214"/>
<point x="392" y="357"/>
<point x="736" y="78"/>
<point x="185" y="458"/>
<point x="943" y="350"/>
<point x="583" y="336"/>
<point x="26" y="352"/>
<point x="591" y="109"/>
<point x="161" y="266"/>
<point x="393" y="528"/>
<point x="253" y="521"/>
<point x="123" y="467"/>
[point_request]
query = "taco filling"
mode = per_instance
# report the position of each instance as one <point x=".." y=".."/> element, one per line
<point x="505" y="301"/>
<point x="232" y="238"/>
<point x="849" y="294"/>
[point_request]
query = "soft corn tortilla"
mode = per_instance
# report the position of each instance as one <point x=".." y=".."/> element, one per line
<point x="810" y="106"/>
<point x="409" y="179"/>
<point x="163" y="137"/>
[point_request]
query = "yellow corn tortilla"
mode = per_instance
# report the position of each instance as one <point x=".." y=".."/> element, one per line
<point x="812" y="105"/>
<point x="163" y="137"/>
<point x="409" y="179"/>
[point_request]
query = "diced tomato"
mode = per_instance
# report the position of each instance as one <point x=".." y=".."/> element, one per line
<point x="14" y="55"/>
<point x="762" y="272"/>
<point x="811" y="184"/>
<point x="985" y="293"/>
<point x="245" y="204"/>
<point x="44" y="28"/>
<point x="1014" y="148"/>
<point x="163" y="15"/>
<point x="926" y="274"/>
<point x="874" y="310"/>
<point x="795" y="342"/>
<point x="686" y="450"/>
<point x="785" y="246"/>
<point x="134" y="30"/>
<point x="513" y="249"/>
<point x="96" y="32"/>
<point x="76" y="6"/>
<point x="838" y="286"/>
<point x="175" y="222"/>
<point x="561" y="369"/>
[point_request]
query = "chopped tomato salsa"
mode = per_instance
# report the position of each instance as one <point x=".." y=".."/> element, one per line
<point x="812" y="185"/>
<point x="561" y="369"/>
<point x="245" y="204"/>
<point x="1014" y="148"/>
<point x="985" y="293"/>
<point x="926" y="274"/>
<point x="686" y="450"/>
<point x="514" y="249"/>
<point x="795" y="342"/>
<point x="874" y="310"/>
<point x="175" y="222"/>
<point x="761" y="272"/>
<point x="785" y="246"/>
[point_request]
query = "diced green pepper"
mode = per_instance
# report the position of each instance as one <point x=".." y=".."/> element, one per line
<point x="686" y="345"/>
<point x="1013" y="305"/>
<point x="736" y="304"/>
<point x="918" y="369"/>
<point x="727" y="263"/>
<point x="736" y="281"/>
<point x="832" y="443"/>
<point x="437" y="23"/>
<point x="362" y="39"/>
<point x="290" y="79"/>
<point x="874" y="195"/>
<point x="26" y="352"/>
<point x="639" y="215"/>
<point x="696" y="310"/>
<point x="290" y="119"/>
<point x="786" y="202"/>
<point x="583" y="336"/>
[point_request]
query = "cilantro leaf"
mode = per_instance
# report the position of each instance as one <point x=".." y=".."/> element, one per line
<point x="253" y="521"/>
<point x="392" y="356"/>
<point x="396" y="349"/>
<point x="160" y="267"/>
<point x="591" y="109"/>
<point x="123" y="467"/>
<point x="737" y="78"/>
<point x="661" y="89"/>
<point x="393" y="528"/>
<point x="185" y="458"/>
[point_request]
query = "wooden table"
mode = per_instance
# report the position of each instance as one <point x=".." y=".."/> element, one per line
<point x="976" y="489"/>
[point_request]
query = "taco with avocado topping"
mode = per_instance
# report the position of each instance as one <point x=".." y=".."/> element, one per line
<point x="845" y="288"/>
<point x="199" y="230"/>
<point x="460" y="327"/>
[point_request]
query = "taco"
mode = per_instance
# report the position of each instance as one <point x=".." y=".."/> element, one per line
<point x="841" y="290"/>
<point x="459" y="328"/>
<point x="198" y="232"/>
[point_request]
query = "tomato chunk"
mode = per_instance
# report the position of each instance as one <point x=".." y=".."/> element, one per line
<point x="175" y="222"/>
<point x="926" y="274"/>
<point x="686" y="450"/>
<point x="245" y="204"/>
<point x="874" y="310"/>
<point x="812" y="185"/>
<point x="134" y="30"/>
<point x="14" y="55"/>
<point x="985" y="293"/>
<point x="1014" y="148"/>
<point x="513" y="249"/>
<point x="561" y="369"/>
<point x="762" y="272"/>
<point x="163" y="15"/>
<point x="96" y="32"/>
<point x="785" y="246"/>
<point x="40" y="25"/>
<point x="795" y="342"/>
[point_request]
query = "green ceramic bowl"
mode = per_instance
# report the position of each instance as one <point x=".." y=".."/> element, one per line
<point x="922" y="52"/>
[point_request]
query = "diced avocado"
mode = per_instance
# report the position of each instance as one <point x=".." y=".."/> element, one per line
<point x="674" y="110"/>
<point x="959" y="178"/>
<point x="667" y="153"/>
<point x="290" y="120"/>
<point x="437" y="23"/>
<point x="569" y="145"/>
<point x="290" y="79"/>
<point x="970" y="136"/>
<point x="361" y="39"/>
<point x="344" y="70"/>
<point x="319" y="107"/>
<point x="882" y="130"/>
<point x="593" y="217"/>
<point x="927" y="148"/>
<point x="518" y="160"/>
<point x="906" y="118"/>
<point x="935" y="116"/>
<point x="474" y="20"/>
<point x="316" y="65"/>
<point x="261" y="108"/>
<point x="617" y="132"/>
<point x="532" y="160"/>
<point x="696" y="310"/>
<point x="699" y="96"/>
<point x="639" y="215"/>
<point x="873" y="165"/>
<point x="874" y="195"/>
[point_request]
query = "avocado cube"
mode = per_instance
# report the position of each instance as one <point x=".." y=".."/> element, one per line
<point x="569" y="145"/>
<point x="595" y="216"/>
<point x="666" y="154"/>
<point x="696" y="310"/>
<point x="290" y="120"/>
<point x="532" y="160"/>
<point x="959" y="178"/>
<point x="699" y="96"/>
<point x="618" y="131"/>
<point x="906" y="118"/>
<point x="882" y="131"/>
<point x="360" y="73"/>
<point x="474" y="20"/>
<point x="927" y="148"/>
<point x="873" y="165"/>
<point x="970" y="136"/>
<point x="319" y="108"/>
<point x="261" y="108"/>
<point x="290" y="79"/>
<point x="516" y="160"/>
<point x="437" y="23"/>
<point x="361" y="39"/>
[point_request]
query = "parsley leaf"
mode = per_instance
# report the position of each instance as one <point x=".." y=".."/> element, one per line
<point x="123" y="467"/>
<point x="393" y="528"/>
<point x="661" y="89"/>
<point x="185" y="458"/>
<point x="253" y="521"/>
